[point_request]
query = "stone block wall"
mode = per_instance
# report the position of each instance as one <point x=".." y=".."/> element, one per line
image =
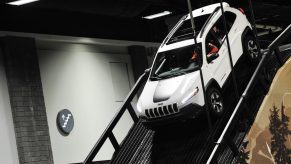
<point x="27" y="101"/>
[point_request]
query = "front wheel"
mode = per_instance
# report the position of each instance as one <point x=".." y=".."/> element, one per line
<point x="251" y="48"/>
<point x="215" y="102"/>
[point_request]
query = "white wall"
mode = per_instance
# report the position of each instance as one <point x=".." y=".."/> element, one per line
<point x="78" y="77"/>
<point x="8" y="149"/>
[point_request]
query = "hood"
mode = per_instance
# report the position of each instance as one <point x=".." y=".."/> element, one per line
<point x="165" y="88"/>
<point x="167" y="91"/>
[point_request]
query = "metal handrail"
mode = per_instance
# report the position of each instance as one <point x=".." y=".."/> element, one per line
<point x="272" y="47"/>
<point x="281" y="38"/>
<point x="108" y="132"/>
<point x="236" y="110"/>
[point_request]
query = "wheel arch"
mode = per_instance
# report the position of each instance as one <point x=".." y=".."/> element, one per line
<point x="247" y="31"/>
<point x="212" y="83"/>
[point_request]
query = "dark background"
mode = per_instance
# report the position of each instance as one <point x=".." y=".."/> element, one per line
<point x="122" y="19"/>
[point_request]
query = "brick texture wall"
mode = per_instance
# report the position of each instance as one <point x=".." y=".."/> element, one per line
<point x="27" y="101"/>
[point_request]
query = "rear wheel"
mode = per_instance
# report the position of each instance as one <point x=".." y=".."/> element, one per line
<point x="251" y="48"/>
<point x="215" y="102"/>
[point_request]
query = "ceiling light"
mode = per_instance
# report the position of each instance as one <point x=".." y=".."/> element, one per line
<point x="21" y="2"/>
<point x="157" y="15"/>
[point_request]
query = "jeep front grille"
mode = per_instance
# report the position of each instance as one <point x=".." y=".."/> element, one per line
<point x="162" y="111"/>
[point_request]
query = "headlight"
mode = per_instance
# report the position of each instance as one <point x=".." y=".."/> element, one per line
<point x="138" y="108"/>
<point x="188" y="97"/>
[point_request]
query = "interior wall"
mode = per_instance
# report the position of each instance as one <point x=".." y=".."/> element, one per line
<point x="8" y="149"/>
<point x="82" y="78"/>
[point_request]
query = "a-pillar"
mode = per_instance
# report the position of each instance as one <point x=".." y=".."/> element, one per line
<point x="139" y="60"/>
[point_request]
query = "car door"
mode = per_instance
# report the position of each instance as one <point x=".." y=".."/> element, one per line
<point x="217" y="67"/>
<point x="220" y="66"/>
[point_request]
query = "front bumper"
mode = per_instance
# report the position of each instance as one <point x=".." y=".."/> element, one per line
<point x="187" y="112"/>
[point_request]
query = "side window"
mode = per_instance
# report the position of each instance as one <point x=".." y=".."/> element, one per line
<point x="214" y="39"/>
<point x="230" y="18"/>
<point x="216" y="35"/>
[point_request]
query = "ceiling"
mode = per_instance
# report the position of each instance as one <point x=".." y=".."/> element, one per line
<point x="122" y="19"/>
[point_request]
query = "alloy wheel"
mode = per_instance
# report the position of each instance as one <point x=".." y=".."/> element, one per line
<point x="253" y="49"/>
<point x="216" y="102"/>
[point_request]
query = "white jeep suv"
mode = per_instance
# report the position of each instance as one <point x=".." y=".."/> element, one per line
<point x="174" y="88"/>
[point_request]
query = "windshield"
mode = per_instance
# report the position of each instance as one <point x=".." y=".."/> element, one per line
<point x="176" y="62"/>
<point x="185" y="31"/>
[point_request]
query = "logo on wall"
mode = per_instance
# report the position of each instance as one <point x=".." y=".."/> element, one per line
<point x="65" y="121"/>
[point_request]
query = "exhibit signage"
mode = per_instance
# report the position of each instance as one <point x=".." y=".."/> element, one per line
<point x="65" y="121"/>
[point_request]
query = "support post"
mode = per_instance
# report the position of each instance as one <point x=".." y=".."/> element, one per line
<point x="200" y="71"/>
<point x="113" y="141"/>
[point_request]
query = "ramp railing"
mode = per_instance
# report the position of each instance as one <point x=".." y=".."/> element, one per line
<point x="125" y="106"/>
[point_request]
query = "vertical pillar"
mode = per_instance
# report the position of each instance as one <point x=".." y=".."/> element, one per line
<point x="27" y="100"/>
<point x="139" y="60"/>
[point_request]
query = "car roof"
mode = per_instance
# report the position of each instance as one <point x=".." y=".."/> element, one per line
<point x="206" y="9"/>
<point x="197" y="12"/>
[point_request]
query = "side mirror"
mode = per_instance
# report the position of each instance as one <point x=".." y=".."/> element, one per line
<point x="147" y="70"/>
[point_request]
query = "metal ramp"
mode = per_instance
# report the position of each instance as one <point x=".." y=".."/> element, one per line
<point x="196" y="141"/>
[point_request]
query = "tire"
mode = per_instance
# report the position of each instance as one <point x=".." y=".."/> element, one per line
<point x="215" y="102"/>
<point x="251" y="48"/>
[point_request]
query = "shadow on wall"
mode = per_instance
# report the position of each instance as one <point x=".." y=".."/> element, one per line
<point x="269" y="140"/>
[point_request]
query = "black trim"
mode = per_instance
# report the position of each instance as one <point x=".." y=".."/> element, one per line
<point x="246" y="30"/>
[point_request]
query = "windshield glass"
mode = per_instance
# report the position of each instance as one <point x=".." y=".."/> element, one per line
<point x="185" y="31"/>
<point x="176" y="62"/>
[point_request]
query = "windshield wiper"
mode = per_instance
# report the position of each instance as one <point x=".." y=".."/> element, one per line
<point x="175" y="74"/>
<point x="155" y="78"/>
